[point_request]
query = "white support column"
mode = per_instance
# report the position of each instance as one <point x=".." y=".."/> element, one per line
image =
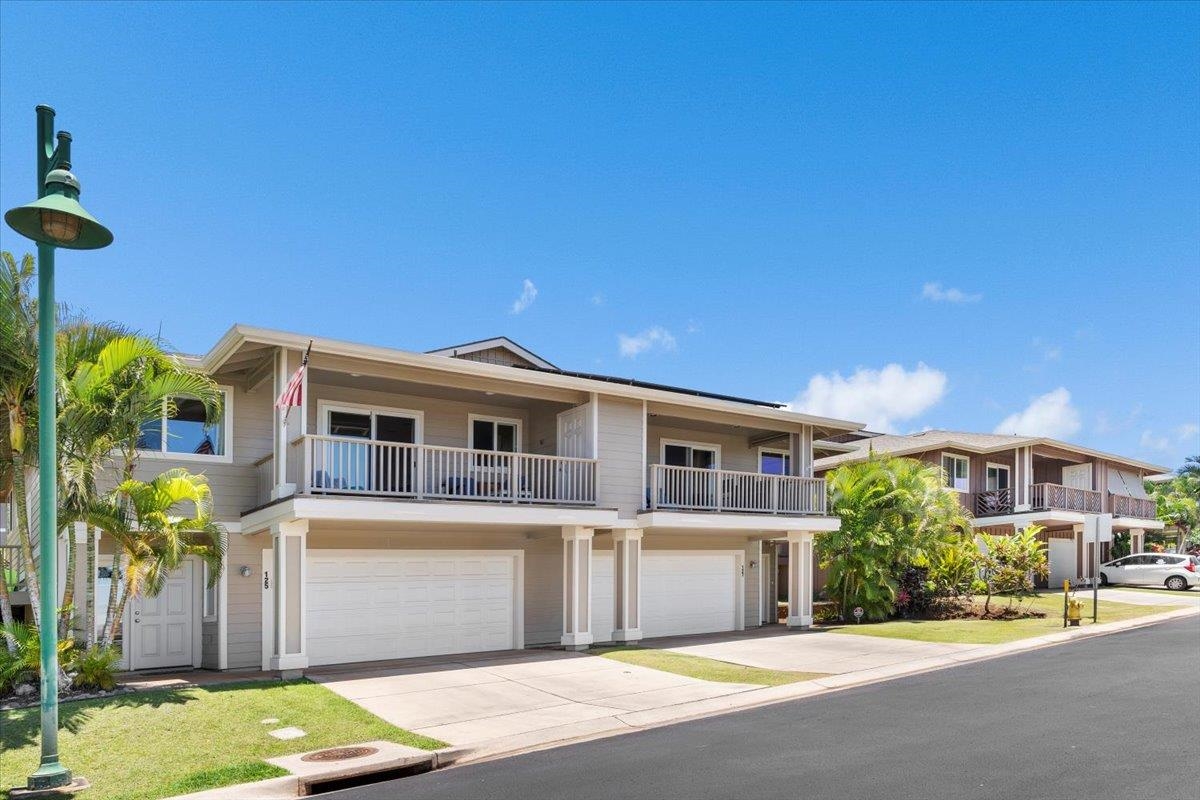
<point x="577" y="587"/>
<point x="1082" y="568"/>
<point x="627" y="585"/>
<point x="1024" y="479"/>
<point x="1137" y="540"/>
<point x="290" y="543"/>
<point x="800" y="579"/>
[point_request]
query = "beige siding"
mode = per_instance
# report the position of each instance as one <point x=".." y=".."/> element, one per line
<point x="736" y="453"/>
<point x="496" y="355"/>
<point x="620" y="483"/>
<point x="445" y="422"/>
<point x="244" y="600"/>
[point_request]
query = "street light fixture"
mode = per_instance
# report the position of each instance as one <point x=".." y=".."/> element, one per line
<point x="55" y="219"/>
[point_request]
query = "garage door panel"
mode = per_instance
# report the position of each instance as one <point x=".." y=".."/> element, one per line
<point x="688" y="592"/>
<point x="385" y="604"/>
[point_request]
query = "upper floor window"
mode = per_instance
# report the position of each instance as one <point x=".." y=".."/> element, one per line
<point x="774" y="462"/>
<point x="184" y="429"/>
<point x="956" y="471"/>
<point x="690" y="454"/>
<point x="495" y="434"/>
<point x="997" y="477"/>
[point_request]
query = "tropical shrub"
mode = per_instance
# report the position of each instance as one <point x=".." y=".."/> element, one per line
<point x="895" y="515"/>
<point x="96" y="668"/>
<point x="1011" y="564"/>
<point x="20" y="660"/>
<point x="954" y="567"/>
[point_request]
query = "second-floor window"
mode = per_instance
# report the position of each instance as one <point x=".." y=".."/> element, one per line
<point x="774" y="462"/>
<point x="185" y="430"/>
<point x="495" y="434"/>
<point x="957" y="472"/>
<point x="997" y="477"/>
<point x="686" y="454"/>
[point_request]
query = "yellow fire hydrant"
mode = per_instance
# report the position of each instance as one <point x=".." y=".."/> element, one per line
<point x="1074" y="612"/>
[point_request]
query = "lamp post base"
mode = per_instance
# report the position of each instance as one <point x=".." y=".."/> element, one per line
<point x="50" y="776"/>
<point x="72" y="786"/>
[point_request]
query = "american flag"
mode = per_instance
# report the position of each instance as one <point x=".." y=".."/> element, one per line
<point x="293" y="393"/>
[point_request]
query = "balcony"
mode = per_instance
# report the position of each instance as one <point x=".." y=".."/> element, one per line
<point x="1138" y="507"/>
<point x="1043" y="497"/>
<point x="346" y="466"/>
<point x="698" y="489"/>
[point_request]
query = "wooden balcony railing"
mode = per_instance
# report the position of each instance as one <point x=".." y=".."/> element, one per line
<point x="698" y="489"/>
<point x="1064" y="498"/>
<point x="992" y="502"/>
<point x="1125" y="506"/>
<point x="348" y="466"/>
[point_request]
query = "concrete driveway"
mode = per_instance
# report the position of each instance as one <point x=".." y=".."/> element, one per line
<point x="535" y="696"/>
<point x="810" y="651"/>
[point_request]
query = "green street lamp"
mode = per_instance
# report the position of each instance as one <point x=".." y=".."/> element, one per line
<point x="55" y="219"/>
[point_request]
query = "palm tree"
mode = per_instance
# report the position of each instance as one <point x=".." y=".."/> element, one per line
<point x="108" y="401"/>
<point x="895" y="513"/>
<point x="156" y="525"/>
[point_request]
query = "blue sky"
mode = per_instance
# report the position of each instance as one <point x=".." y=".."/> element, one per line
<point x="957" y="216"/>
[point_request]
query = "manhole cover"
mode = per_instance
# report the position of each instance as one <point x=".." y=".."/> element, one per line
<point x="340" y="753"/>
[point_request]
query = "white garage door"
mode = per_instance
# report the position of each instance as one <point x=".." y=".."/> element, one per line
<point x="368" y="605"/>
<point x="688" y="592"/>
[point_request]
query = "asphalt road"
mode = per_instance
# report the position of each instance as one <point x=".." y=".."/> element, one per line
<point x="1111" y="717"/>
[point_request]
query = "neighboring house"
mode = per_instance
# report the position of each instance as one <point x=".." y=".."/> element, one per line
<point x="1011" y="482"/>
<point x="470" y="499"/>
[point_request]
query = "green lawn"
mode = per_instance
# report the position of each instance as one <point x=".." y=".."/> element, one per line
<point x="980" y="631"/>
<point x="167" y="742"/>
<point x="705" y="669"/>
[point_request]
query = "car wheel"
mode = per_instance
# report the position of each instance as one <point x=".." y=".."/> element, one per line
<point x="1176" y="583"/>
<point x="1103" y="579"/>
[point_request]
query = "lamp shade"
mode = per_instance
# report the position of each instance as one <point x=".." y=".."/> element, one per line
<point x="58" y="219"/>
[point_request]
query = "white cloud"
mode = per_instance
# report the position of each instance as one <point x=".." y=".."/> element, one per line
<point x="692" y="327"/>
<point x="877" y="397"/>
<point x="598" y="299"/>
<point x="1166" y="443"/>
<point x="1048" y="350"/>
<point x="656" y="338"/>
<point x="528" y="295"/>
<point x="1188" y="430"/>
<point x="1049" y="415"/>
<point x="1150" y="441"/>
<point x="939" y="294"/>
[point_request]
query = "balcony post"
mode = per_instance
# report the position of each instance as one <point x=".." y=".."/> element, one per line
<point x="289" y="652"/>
<point x="1137" y="539"/>
<point x="627" y="588"/>
<point x="800" y="580"/>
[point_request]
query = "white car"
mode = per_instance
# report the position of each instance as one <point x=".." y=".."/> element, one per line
<point x="1171" y="570"/>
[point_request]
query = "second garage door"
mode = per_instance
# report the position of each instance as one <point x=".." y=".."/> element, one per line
<point x="369" y="605"/>
<point x="683" y="591"/>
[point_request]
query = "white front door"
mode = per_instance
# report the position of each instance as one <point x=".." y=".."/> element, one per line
<point x="574" y="439"/>
<point x="604" y="608"/>
<point x="1077" y="476"/>
<point x="160" y="628"/>
<point x="1062" y="562"/>
<point x="691" y="591"/>
<point x="370" y="605"/>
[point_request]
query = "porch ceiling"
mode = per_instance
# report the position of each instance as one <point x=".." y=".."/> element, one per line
<point x="375" y="383"/>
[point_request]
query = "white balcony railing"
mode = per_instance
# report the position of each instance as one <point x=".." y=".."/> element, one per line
<point x="348" y="466"/>
<point x="699" y="489"/>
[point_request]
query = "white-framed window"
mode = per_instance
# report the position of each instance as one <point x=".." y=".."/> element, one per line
<point x="186" y="434"/>
<point x="494" y="434"/>
<point x="957" y="472"/>
<point x="774" y="461"/>
<point x="210" y="596"/>
<point x="999" y="476"/>
<point x="376" y="423"/>
<point x="676" y="453"/>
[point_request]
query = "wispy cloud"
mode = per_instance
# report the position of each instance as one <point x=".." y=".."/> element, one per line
<point x="692" y="327"/>
<point x="528" y="295"/>
<point x="1048" y="350"/>
<point x="940" y="294"/>
<point x="1168" y="442"/>
<point x="878" y="397"/>
<point x="656" y="338"/>
<point x="1186" y="431"/>
<point x="1050" y="414"/>
<point x="597" y="299"/>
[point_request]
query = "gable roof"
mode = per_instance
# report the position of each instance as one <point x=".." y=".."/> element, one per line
<point x="496" y="342"/>
<point x="907" y="444"/>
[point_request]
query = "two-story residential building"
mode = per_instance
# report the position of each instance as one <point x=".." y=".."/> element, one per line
<point x="1011" y="482"/>
<point x="474" y="498"/>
